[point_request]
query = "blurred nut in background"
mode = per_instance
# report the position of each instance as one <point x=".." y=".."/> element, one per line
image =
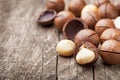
<point x="75" y="6"/>
<point x="108" y="10"/>
<point x="104" y="24"/>
<point x="65" y="48"/>
<point x="89" y="8"/>
<point x="57" y="5"/>
<point x="47" y="17"/>
<point x="100" y="2"/>
<point x="116" y="3"/>
<point x="91" y="19"/>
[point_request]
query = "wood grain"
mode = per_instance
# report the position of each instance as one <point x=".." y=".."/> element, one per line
<point x="25" y="47"/>
<point x="27" y="50"/>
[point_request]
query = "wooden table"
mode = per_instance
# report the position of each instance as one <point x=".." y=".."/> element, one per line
<point x="27" y="50"/>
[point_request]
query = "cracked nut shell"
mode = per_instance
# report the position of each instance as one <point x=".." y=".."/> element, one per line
<point x="47" y="17"/>
<point x="104" y="24"/>
<point x="111" y="33"/>
<point x="57" y="5"/>
<point x="86" y="53"/>
<point x="72" y="27"/>
<point x="110" y="52"/>
<point x="108" y="10"/>
<point x="87" y="35"/>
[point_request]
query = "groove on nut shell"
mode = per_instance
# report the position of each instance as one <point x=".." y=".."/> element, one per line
<point x="110" y="52"/>
<point x="87" y="35"/>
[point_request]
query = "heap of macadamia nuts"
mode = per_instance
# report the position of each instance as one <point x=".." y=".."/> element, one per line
<point x="85" y="27"/>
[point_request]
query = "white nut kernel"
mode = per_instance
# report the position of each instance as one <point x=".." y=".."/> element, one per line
<point x="65" y="47"/>
<point x="85" y="56"/>
<point x="117" y="22"/>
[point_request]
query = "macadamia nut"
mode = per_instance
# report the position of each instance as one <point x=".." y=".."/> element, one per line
<point x="89" y="8"/>
<point x="65" y="48"/>
<point x="85" y="56"/>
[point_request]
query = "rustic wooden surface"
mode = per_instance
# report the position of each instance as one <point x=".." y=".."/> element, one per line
<point x="27" y="50"/>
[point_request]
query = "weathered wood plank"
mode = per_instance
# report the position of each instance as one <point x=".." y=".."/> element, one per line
<point x="27" y="50"/>
<point x="106" y="72"/>
<point x="63" y="65"/>
<point x="50" y="55"/>
<point x="22" y="40"/>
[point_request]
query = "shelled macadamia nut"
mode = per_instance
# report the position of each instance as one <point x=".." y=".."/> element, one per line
<point x="104" y="24"/>
<point x="110" y="52"/>
<point x="62" y="17"/>
<point x="65" y="48"/>
<point x="111" y="33"/>
<point x="75" y="6"/>
<point x="87" y="35"/>
<point x="86" y="53"/>
<point x="57" y="5"/>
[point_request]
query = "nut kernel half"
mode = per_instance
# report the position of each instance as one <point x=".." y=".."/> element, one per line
<point x="85" y="56"/>
<point x="65" y="47"/>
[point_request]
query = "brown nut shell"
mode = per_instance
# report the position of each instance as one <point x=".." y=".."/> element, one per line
<point x="108" y="10"/>
<point x="100" y="2"/>
<point x="57" y="5"/>
<point x="116" y="3"/>
<point x="110" y="52"/>
<point x="72" y="27"/>
<point x="62" y="17"/>
<point x="89" y="46"/>
<point x="104" y="24"/>
<point x="91" y="19"/>
<point x="47" y="17"/>
<point x="111" y="33"/>
<point x="75" y="6"/>
<point x="87" y="35"/>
